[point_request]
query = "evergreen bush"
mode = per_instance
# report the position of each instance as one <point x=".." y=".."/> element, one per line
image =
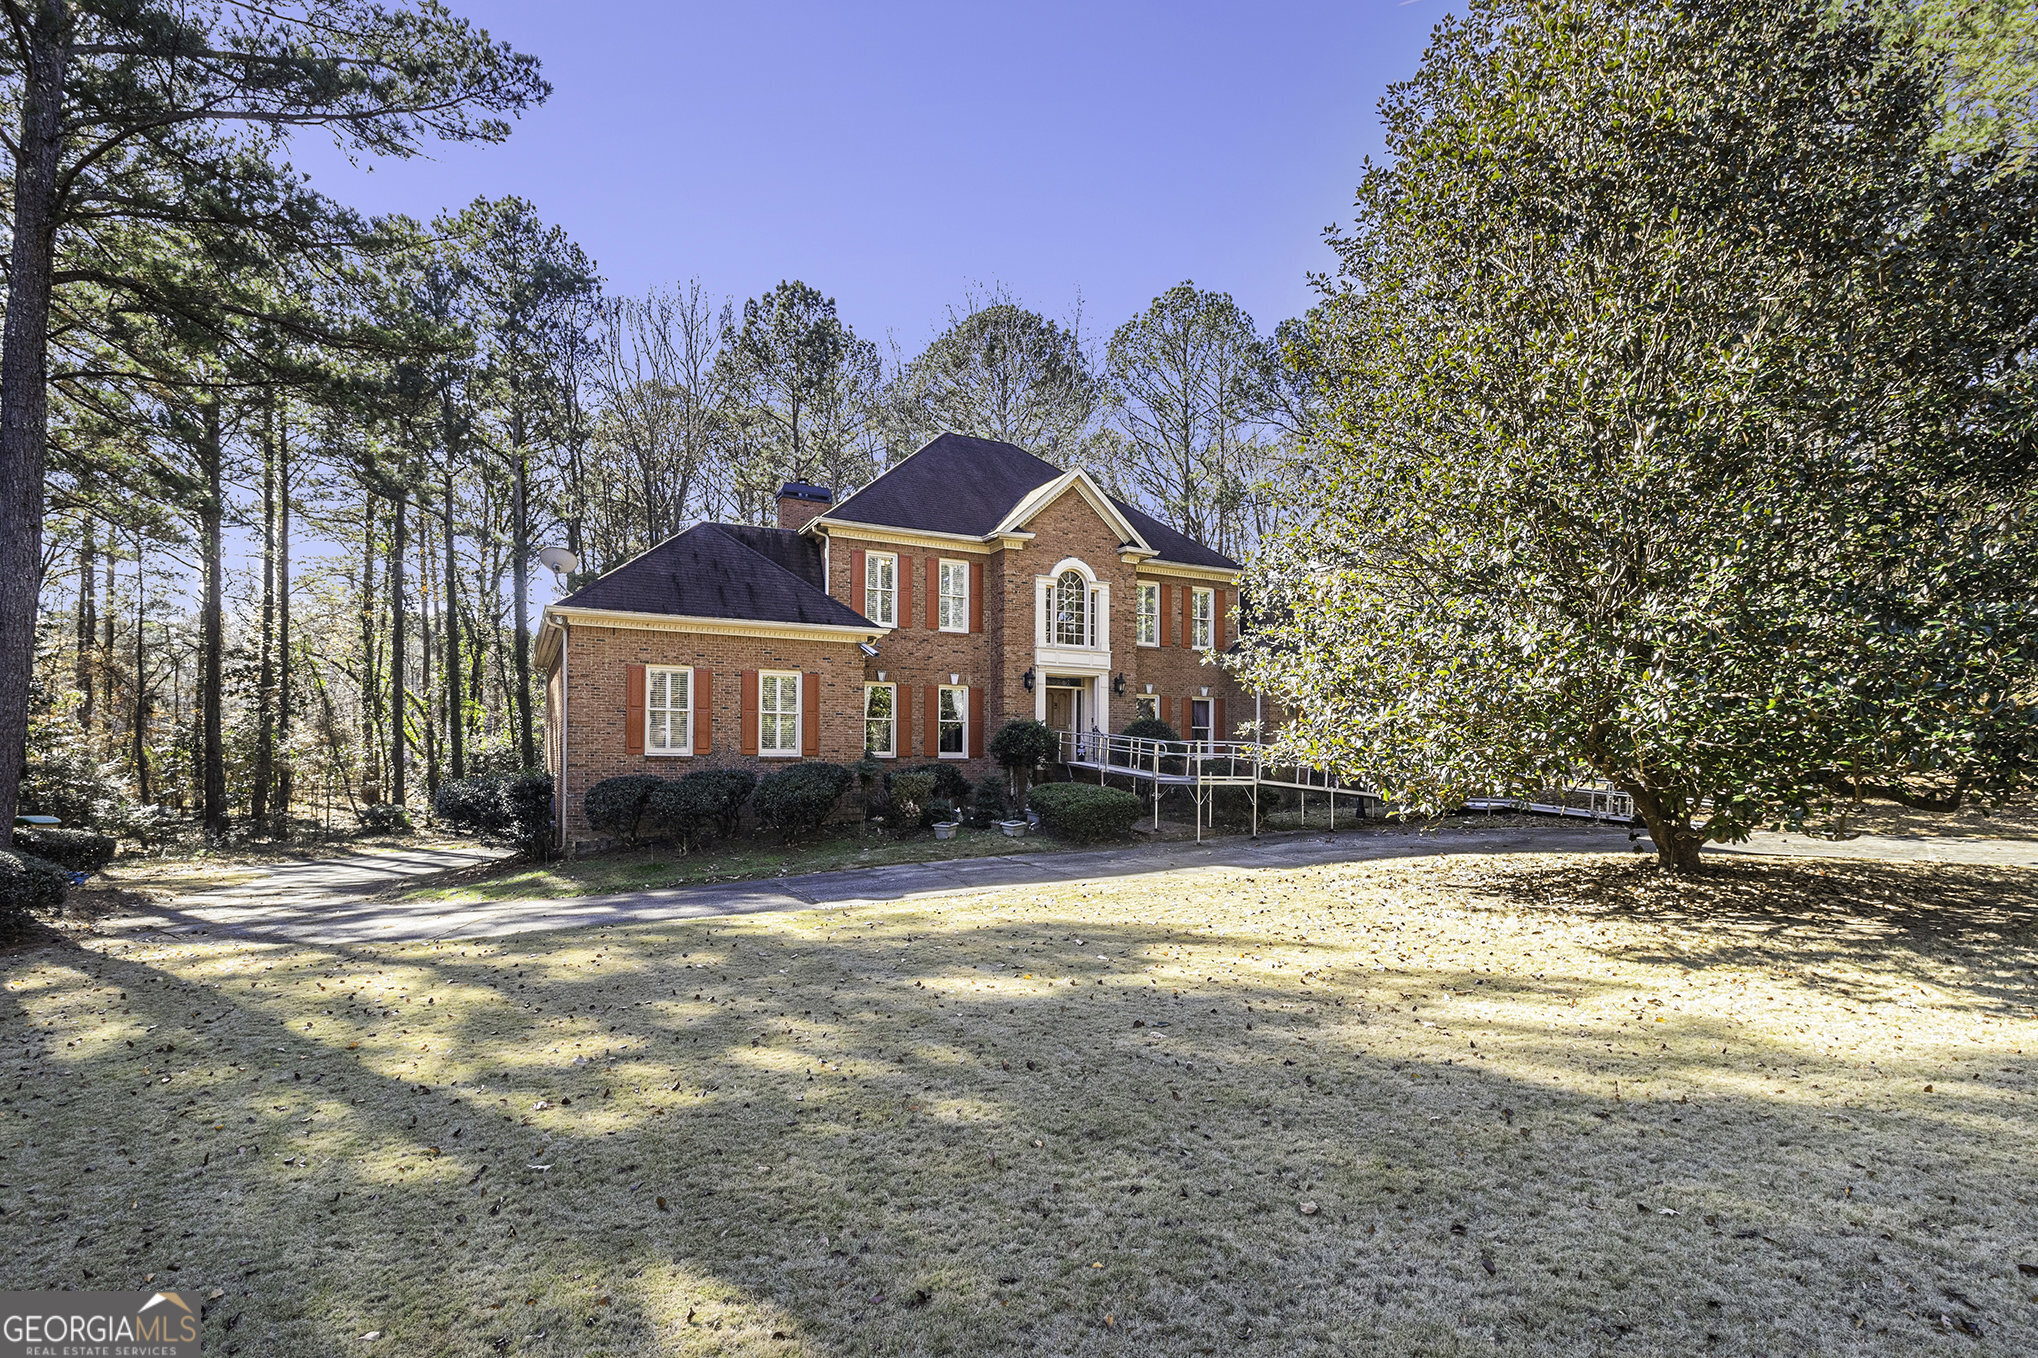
<point x="796" y="801"/>
<point x="78" y="850"/>
<point x="614" y="806"/>
<point x="28" y="885"/>
<point x="1084" y="812"/>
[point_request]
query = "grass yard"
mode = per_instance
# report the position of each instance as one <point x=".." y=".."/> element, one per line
<point x="1459" y="1106"/>
<point x="652" y="868"/>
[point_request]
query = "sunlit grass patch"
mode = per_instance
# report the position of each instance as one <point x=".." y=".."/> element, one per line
<point x="1544" y="1104"/>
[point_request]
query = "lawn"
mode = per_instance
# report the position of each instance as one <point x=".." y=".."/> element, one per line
<point x="1533" y="1105"/>
<point x="651" y="868"/>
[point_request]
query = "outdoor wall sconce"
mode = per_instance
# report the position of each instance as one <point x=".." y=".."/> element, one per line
<point x="1118" y="685"/>
<point x="1206" y="693"/>
<point x="1026" y="679"/>
<point x="954" y="678"/>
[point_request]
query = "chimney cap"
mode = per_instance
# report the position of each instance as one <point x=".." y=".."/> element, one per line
<point x="801" y="490"/>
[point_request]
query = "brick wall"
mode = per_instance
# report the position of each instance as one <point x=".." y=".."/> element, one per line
<point x="598" y="661"/>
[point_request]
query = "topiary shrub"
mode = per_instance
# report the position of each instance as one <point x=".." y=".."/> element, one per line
<point x="1023" y="746"/>
<point x="1152" y="728"/>
<point x="615" y="806"/>
<point x="28" y="885"/>
<point x="515" y="807"/>
<point x="687" y="808"/>
<point x="989" y="804"/>
<point x="941" y="811"/>
<point x="1084" y="812"/>
<point x="911" y="791"/>
<point x="728" y="790"/>
<point x="78" y="850"/>
<point x="384" y="818"/>
<point x="948" y="781"/>
<point x="796" y="801"/>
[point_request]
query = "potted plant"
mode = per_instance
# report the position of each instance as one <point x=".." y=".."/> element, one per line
<point x="946" y="819"/>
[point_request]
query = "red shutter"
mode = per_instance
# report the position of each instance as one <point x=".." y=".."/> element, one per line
<point x="810" y="714"/>
<point x="1217" y="624"/>
<point x="976" y="722"/>
<point x="904" y="614"/>
<point x="933" y="593"/>
<point x="932" y="732"/>
<point x="1217" y="731"/>
<point x="902" y="713"/>
<point x="1184" y="626"/>
<point x="1161" y="603"/>
<point x="1167" y="708"/>
<point x="633" y="710"/>
<point x="746" y="698"/>
<point x="859" y="585"/>
<point x="703" y="711"/>
<point x="976" y="596"/>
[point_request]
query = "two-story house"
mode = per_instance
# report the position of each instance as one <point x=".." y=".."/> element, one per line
<point x="971" y="584"/>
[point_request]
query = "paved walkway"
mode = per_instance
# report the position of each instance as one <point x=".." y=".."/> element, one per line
<point x="329" y="901"/>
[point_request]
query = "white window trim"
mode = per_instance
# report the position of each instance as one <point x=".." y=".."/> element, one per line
<point x="941" y="566"/>
<point x="1148" y="701"/>
<point x="1148" y="589"/>
<point x="893" y="558"/>
<point x="962" y="709"/>
<point x="1209" y="727"/>
<point x="894" y="752"/>
<point x="799" y="714"/>
<point x="1196" y="595"/>
<point x="649" y="749"/>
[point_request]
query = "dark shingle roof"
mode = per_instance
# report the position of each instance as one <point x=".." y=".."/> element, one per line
<point x="1171" y="545"/>
<point x="963" y="485"/>
<point x="955" y="484"/>
<point x="715" y="570"/>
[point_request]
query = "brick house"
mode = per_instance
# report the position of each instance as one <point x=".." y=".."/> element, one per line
<point x="971" y="584"/>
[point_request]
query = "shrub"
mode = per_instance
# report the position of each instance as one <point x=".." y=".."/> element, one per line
<point x="912" y="790"/>
<point x="1084" y="812"/>
<point x="515" y="807"/>
<point x="948" y="781"/>
<point x="941" y="811"/>
<point x="685" y="808"/>
<point x="28" y="884"/>
<point x="614" y="806"/>
<point x="78" y="850"/>
<point x="796" y="801"/>
<point x="1152" y="728"/>
<point x="1023" y="746"/>
<point x="990" y="804"/>
<point x="384" y="818"/>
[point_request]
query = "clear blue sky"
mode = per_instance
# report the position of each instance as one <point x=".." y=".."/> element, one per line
<point x="894" y="154"/>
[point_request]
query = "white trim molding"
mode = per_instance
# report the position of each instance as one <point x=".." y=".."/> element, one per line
<point x="724" y="627"/>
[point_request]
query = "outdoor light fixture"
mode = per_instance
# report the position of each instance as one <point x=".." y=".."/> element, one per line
<point x="868" y="649"/>
<point x="1118" y="684"/>
<point x="1206" y="692"/>
<point x="1026" y="680"/>
<point x="954" y="678"/>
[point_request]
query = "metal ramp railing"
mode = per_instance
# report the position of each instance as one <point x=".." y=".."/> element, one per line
<point x="1204" y="766"/>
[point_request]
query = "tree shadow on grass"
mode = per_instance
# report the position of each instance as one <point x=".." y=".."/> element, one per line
<point x="921" y="1137"/>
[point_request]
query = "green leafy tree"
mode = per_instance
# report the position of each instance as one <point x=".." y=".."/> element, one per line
<point x="1678" y="431"/>
<point x="132" y="115"/>
<point x="1987" y="53"/>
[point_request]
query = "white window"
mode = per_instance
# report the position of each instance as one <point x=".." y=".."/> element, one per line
<point x="1149" y="615"/>
<point x="1071" y="610"/>
<point x="880" y="719"/>
<point x="778" y="714"/>
<point x="954" y="722"/>
<point x="1146" y="707"/>
<point x="668" y="710"/>
<point x="1202" y="608"/>
<point x="1199" y="719"/>
<point x="954" y="609"/>
<point x="881" y="587"/>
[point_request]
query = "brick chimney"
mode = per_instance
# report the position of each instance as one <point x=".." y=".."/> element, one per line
<point x="799" y="503"/>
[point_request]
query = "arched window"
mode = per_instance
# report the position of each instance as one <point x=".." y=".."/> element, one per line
<point x="1071" y="610"/>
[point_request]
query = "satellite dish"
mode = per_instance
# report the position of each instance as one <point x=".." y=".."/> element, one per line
<point x="558" y="560"/>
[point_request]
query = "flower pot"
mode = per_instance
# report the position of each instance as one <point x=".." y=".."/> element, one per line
<point x="1016" y="829"/>
<point x="946" y="829"/>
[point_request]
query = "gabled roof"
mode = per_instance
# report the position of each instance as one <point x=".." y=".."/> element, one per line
<point x="719" y="570"/>
<point x="972" y="487"/>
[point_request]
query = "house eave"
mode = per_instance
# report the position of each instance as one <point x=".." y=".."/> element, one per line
<point x="844" y="633"/>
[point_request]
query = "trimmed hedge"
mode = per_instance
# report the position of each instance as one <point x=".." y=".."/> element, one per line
<point x="27" y="885"/>
<point x="1024" y="745"/>
<point x="1084" y="812"/>
<point x="615" y="806"/>
<point x="796" y="801"/>
<point x="384" y="818"/>
<point x="948" y="781"/>
<point x="513" y="806"/>
<point x="78" y="850"/>
<point x="1152" y="728"/>
<point x="685" y="808"/>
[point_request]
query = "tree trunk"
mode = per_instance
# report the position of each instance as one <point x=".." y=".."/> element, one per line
<point x="265" y="673"/>
<point x="141" y="681"/>
<point x="520" y="577"/>
<point x="371" y="687"/>
<point x="427" y="692"/>
<point x="212" y="625"/>
<point x="1677" y="843"/>
<point x="399" y="543"/>
<point x="45" y="42"/>
<point x="456" y="723"/>
<point x="283" y="774"/>
<point x="88" y="618"/>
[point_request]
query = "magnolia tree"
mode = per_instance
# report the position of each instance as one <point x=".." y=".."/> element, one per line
<point x="1677" y="430"/>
